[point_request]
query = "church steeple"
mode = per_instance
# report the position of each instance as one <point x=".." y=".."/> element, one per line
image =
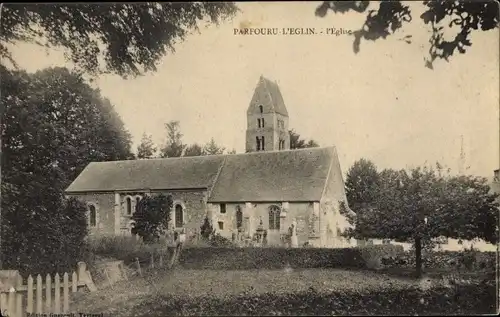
<point x="267" y="119"/>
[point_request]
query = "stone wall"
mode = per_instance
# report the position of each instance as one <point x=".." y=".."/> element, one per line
<point x="108" y="206"/>
<point x="194" y="204"/>
<point x="253" y="213"/>
<point x="332" y="221"/>
<point x="104" y="203"/>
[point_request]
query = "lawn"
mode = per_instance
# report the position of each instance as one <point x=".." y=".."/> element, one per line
<point x="182" y="292"/>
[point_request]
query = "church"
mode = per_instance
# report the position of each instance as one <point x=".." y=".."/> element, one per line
<point x="268" y="188"/>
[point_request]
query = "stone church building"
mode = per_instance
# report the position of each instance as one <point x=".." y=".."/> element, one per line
<point x="269" y="187"/>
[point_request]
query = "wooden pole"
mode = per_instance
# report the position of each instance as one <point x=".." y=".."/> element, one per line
<point x="138" y="266"/>
<point x="1" y="117"/>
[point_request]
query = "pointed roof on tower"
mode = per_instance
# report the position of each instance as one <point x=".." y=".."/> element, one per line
<point x="270" y="88"/>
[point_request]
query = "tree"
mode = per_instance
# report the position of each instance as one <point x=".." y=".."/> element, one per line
<point x="56" y="125"/>
<point x="130" y="38"/>
<point x="421" y="204"/>
<point x="152" y="216"/>
<point x="206" y="229"/>
<point x="211" y="148"/>
<point x="173" y="146"/>
<point x="297" y="143"/>
<point x="146" y="148"/>
<point x="361" y="184"/>
<point x="194" y="150"/>
<point x="442" y="16"/>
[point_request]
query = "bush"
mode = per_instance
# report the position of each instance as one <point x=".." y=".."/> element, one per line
<point x="47" y="240"/>
<point x="152" y="216"/>
<point x="377" y="256"/>
<point x="233" y="258"/>
<point x="466" y="299"/>
<point x="468" y="259"/>
<point x="126" y="249"/>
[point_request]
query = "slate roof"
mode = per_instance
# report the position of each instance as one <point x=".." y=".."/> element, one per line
<point x="276" y="96"/>
<point x="293" y="175"/>
<point x="170" y="173"/>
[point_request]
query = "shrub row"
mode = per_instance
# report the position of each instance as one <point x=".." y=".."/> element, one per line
<point x="228" y="258"/>
<point x="234" y="258"/>
<point x="472" y="260"/>
<point x="466" y="299"/>
<point x="126" y="249"/>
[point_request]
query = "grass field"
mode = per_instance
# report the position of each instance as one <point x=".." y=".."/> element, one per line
<point x="132" y="296"/>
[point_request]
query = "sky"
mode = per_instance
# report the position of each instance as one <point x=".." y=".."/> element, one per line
<point x="381" y="104"/>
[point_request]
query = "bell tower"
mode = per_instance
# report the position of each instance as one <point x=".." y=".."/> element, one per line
<point x="267" y="119"/>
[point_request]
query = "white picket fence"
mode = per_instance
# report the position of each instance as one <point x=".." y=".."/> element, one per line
<point x="49" y="295"/>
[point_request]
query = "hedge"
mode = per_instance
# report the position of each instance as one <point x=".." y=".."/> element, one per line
<point x="471" y="260"/>
<point x="230" y="258"/>
<point x="124" y="248"/>
<point x="465" y="299"/>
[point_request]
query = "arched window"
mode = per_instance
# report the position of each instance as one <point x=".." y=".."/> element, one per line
<point x="262" y="122"/>
<point x="179" y="216"/>
<point x="239" y="217"/>
<point x="128" y="201"/>
<point x="257" y="139"/>
<point x="261" y="109"/>
<point x="263" y="143"/>
<point x="137" y="202"/>
<point x="92" y="216"/>
<point x="274" y="218"/>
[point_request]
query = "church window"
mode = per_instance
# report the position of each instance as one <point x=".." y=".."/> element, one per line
<point x="258" y="143"/>
<point x="262" y="144"/>
<point x="274" y="218"/>
<point x="179" y="216"/>
<point x="222" y="208"/>
<point x="262" y="121"/>
<point x="92" y="215"/>
<point x="261" y="109"/>
<point x="221" y="225"/>
<point x="258" y="122"/>
<point x="239" y="217"/>
<point x="137" y="202"/>
<point x="281" y="144"/>
<point x="128" y="202"/>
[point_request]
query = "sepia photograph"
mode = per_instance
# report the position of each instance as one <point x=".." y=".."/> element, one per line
<point x="254" y="158"/>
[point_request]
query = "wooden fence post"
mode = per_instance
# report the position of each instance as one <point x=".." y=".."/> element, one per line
<point x="11" y="308"/>
<point x="39" y="294"/>
<point x="29" y="306"/>
<point x="57" y="294"/>
<point x="48" y="292"/>
<point x="66" y="293"/>
<point x="152" y="260"/>
<point x="74" y="282"/>
<point x="3" y="302"/>
<point x="19" y="298"/>
<point x="160" y="260"/>
<point x="138" y="266"/>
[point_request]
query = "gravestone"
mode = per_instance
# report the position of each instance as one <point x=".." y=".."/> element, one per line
<point x="8" y="279"/>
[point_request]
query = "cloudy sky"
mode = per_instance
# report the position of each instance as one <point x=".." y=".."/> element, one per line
<point x="381" y="103"/>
